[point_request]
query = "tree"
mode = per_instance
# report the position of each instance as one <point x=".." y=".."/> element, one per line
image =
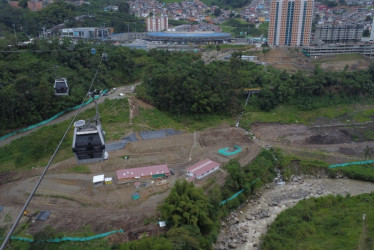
<point x="184" y="238"/>
<point x="187" y="205"/>
<point x="366" y="33"/>
<point x="217" y="12"/>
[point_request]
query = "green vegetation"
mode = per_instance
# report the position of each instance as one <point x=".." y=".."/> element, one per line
<point x="81" y="169"/>
<point x="35" y="149"/>
<point x="30" y="23"/>
<point x="357" y="172"/>
<point x="185" y="85"/>
<point x="240" y="28"/>
<point x="26" y="81"/>
<point x="338" y="58"/>
<point x="330" y="222"/>
<point x="194" y="216"/>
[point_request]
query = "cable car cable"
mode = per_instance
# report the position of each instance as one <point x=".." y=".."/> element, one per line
<point x="46" y="168"/>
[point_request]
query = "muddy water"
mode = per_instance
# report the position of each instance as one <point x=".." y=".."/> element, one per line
<point x="243" y="228"/>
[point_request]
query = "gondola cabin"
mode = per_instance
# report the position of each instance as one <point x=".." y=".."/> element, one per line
<point x="61" y="87"/>
<point x="89" y="142"/>
<point x="93" y="51"/>
<point x="104" y="57"/>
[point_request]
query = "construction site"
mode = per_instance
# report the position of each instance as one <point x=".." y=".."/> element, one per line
<point x="74" y="200"/>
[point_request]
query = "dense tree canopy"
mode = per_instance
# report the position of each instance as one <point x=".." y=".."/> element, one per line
<point x="27" y="78"/>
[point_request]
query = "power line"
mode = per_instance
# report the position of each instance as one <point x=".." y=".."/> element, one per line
<point x="46" y="168"/>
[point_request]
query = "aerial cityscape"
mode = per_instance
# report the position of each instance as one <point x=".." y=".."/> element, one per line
<point x="202" y="124"/>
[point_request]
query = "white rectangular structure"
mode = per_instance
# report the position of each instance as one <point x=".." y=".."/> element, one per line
<point x="202" y="169"/>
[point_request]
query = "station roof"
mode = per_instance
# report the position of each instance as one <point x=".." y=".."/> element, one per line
<point x="189" y="34"/>
<point x="202" y="167"/>
<point x="142" y="171"/>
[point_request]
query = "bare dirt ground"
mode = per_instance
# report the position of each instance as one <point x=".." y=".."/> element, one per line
<point x="75" y="202"/>
<point x="333" y="144"/>
<point x="292" y="60"/>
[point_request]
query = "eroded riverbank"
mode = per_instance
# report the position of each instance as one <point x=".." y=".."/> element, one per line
<point x="243" y="228"/>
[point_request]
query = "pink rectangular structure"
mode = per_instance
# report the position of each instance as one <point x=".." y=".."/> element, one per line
<point x="143" y="172"/>
<point x="202" y="168"/>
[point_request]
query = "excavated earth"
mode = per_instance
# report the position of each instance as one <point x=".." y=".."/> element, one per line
<point x="74" y="202"/>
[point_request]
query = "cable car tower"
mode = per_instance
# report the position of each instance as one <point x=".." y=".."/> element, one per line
<point x="89" y="140"/>
<point x="61" y="85"/>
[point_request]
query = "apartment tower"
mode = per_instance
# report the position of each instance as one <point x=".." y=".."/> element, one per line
<point x="290" y="22"/>
<point x="157" y="23"/>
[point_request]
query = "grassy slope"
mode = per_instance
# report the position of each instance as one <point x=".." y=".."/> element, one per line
<point x="290" y="114"/>
<point x="338" y="58"/>
<point x="324" y="223"/>
<point x="35" y="149"/>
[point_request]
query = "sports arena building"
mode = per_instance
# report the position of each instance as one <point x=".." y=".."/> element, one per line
<point x="189" y="37"/>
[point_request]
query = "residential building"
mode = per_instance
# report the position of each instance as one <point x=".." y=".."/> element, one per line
<point x="157" y="171"/>
<point x="34" y="5"/>
<point x="155" y="24"/>
<point x="14" y="4"/>
<point x="329" y="33"/>
<point x="202" y="169"/>
<point x="290" y="22"/>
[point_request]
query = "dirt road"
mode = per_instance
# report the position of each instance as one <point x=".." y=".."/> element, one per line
<point x="75" y="202"/>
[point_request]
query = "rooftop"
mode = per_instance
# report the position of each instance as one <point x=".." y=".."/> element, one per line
<point x="203" y="166"/>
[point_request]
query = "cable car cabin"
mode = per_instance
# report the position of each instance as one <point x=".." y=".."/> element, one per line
<point x="104" y="57"/>
<point x="89" y="142"/>
<point x="61" y="87"/>
<point x="93" y="51"/>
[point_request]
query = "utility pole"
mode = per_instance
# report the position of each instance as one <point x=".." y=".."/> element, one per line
<point x="15" y="36"/>
<point x="43" y="32"/>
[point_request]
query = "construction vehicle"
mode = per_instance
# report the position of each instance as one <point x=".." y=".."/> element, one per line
<point x="26" y="213"/>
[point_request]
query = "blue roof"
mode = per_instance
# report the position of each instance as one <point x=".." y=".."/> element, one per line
<point x="189" y="34"/>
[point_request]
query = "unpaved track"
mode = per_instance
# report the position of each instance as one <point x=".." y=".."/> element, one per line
<point x="74" y="202"/>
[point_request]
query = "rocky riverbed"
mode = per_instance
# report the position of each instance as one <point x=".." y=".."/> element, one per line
<point x="243" y="228"/>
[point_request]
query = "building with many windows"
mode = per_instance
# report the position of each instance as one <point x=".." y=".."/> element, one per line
<point x="329" y="33"/>
<point x="155" y="24"/>
<point x="290" y="22"/>
<point x="88" y="32"/>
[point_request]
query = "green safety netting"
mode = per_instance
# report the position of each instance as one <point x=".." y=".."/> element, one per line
<point x="237" y="194"/>
<point x="71" y="238"/>
<point x="225" y="151"/>
<point x="52" y="118"/>
<point x="351" y="163"/>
